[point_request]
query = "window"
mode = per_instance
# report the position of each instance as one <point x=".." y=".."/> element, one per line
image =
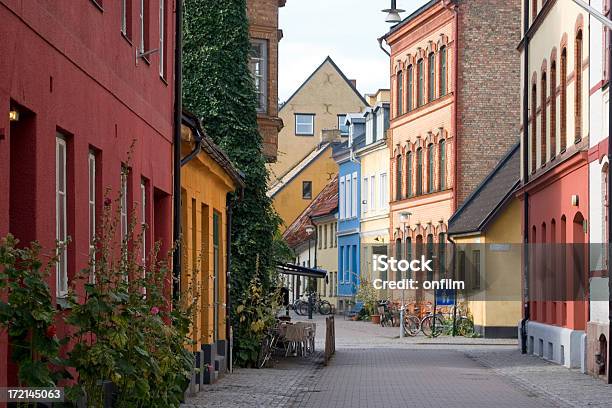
<point x="442" y="165"/>
<point x="304" y="124"/>
<point x="430" y="254"/>
<point x="442" y="71"/>
<point x="553" y="109"/>
<point x="534" y="133"/>
<point x="409" y="174"/>
<point x="143" y="220"/>
<point x="365" y="194"/>
<point x="258" y="64"/>
<point x="307" y="190"/>
<point x="604" y="215"/>
<point x="335" y="235"/>
<point x="144" y="25"/>
<point x="355" y="204"/>
<point x="319" y="236"/>
<point x="384" y="198"/>
<point x="578" y="93"/>
<point x="325" y="236"/>
<point x="398" y="177"/>
<point x="410" y="73"/>
<point x="419" y="175"/>
<point x="461" y="266"/>
<point x="476" y="268"/>
<point x="344" y="129"/>
<point x="341" y="198"/>
<point x="543" y="138"/>
<point x="430" y="168"/>
<point x="400" y="93"/>
<point x="563" y="100"/>
<point x="442" y="254"/>
<point x="347" y="197"/>
<point x="217" y="259"/>
<point x="409" y="254"/>
<point x="92" y="212"/>
<point x="162" y="38"/>
<point x="420" y="84"/>
<point x="123" y="203"/>
<point x="534" y="9"/>
<point x="431" y="81"/>
<point x="126" y="18"/>
<point x="372" y="193"/>
<point x="61" y="216"/>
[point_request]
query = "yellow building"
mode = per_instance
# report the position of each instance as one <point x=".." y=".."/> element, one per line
<point x="319" y="103"/>
<point x="206" y="180"/>
<point x="486" y="234"/>
<point x="292" y="193"/>
<point x="374" y="159"/>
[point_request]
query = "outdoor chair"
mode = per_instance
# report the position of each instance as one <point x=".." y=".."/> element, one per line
<point x="354" y="311"/>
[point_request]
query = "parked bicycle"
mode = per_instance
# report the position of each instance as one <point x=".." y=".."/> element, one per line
<point x="320" y="306"/>
<point x="385" y="310"/>
<point x="268" y="345"/>
<point x="442" y="323"/>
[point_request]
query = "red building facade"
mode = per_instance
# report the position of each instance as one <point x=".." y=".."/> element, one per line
<point x="80" y="95"/>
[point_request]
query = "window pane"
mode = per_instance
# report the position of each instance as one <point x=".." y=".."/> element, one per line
<point x="344" y="129"/>
<point x="258" y="64"/>
<point x="304" y="124"/>
<point x="307" y="189"/>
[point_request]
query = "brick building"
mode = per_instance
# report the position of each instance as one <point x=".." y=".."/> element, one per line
<point x="555" y="174"/>
<point x="454" y="107"/>
<point x="265" y="35"/>
<point x="79" y="95"/>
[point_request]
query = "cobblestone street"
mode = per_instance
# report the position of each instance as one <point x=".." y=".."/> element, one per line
<point x="374" y="368"/>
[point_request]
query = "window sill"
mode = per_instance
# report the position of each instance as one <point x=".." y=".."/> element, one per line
<point x="98" y="5"/>
<point x="62" y="303"/>
<point x="304" y="134"/>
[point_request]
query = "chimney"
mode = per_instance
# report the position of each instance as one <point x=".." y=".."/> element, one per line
<point x="330" y="135"/>
<point x="353" y="82"/>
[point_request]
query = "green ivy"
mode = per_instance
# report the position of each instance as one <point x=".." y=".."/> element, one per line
<point x="219" y="89"/>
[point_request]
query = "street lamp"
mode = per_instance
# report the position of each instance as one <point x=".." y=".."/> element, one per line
<point x="310" y="231"/>
<point x="393" y="13"/>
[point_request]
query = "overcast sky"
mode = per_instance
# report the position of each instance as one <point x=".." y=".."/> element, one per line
<point x="346" y="30"/>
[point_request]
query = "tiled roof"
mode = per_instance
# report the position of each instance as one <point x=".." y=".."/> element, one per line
<point x="489" y="197"/>
<point x="325" y="203"/>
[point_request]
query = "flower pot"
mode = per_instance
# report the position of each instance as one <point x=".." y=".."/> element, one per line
<point x="375" y="319"/>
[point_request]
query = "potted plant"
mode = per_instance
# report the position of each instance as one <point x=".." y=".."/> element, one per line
<point x="367" y="294"/>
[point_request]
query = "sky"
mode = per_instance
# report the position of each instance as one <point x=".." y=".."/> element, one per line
<point x="346" y="30"/>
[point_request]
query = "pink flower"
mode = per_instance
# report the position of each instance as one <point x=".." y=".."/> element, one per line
<point x="154" y="310"/>
<point x="108" y="201"/>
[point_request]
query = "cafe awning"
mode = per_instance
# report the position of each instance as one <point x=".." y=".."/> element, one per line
<point x="292" y="269"/>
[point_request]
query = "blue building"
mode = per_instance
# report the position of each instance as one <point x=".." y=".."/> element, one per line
<point x="349" y="209"/>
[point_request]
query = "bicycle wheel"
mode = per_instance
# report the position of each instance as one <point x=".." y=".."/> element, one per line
<point x="325" y="307"/>
<point x="265" y="351"/>
<point x="296" y="307"/>
<point x="412" y="326"/>
<point x="427" y="326"/>
<point x="303" y="309"/>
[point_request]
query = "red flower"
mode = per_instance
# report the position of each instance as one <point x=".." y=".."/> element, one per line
<point x="154" y="310"/>
<point x="51" y="331"/>
<point x="107" y="202"/>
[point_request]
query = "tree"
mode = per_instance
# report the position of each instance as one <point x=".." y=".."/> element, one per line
<point x="219" y="89"/>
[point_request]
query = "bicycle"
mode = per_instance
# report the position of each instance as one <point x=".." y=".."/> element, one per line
<point x="323" y="307"/>
<point x="268" y="345"/>
<point x="442" y="323"/>
<point x="386" y="315"/>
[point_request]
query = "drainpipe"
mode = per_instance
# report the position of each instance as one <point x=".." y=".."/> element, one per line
<point x="380" y="45"/>
<point x="609" y="376"/>
<point x="526" y="308"/>
<point x="228" y="299"/>
<point x="176" y="141"/>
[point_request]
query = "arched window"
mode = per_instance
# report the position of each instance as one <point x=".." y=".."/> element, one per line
<point x="398" y="256"/>
<point x="430" y="168"/>
<point x="543" y="138"/>
<point x="409" y="174"/>
<point x="398" y="177"/>
<point x="442" y="71"/>
<point x="409" y="254"/>
<point x="431" y="81"/>
<point x="400" y="93"/>
<point x="430" y="254"/>
<point x="553" y="109"/>
<point x="442" y="254"/>
<point x="410" y="88"/>
<point x="563" y="100"/>
<point x="419" y="175"/>
<point x="578" y="95"/>
<point x="442" y="165"/>
<point x="534" y="134"/>
<point x="421" y="84"/>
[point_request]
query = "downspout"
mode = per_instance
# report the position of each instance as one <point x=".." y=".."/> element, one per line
<point x="609" y="377"/>
<point x="178" y="116"/>
<point x="455" y="114"/>
<point x="228" y="299"/>
<point x="380" y="45"/>
<point x="526" y="308"/>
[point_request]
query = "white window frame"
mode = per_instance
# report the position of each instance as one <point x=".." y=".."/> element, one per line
<point x="143" y="219"/>
<point x="355" y="194"/>
<point x="124" y="17"/>
<point x="298" y="123"/>
<point x="142" y="24"/>
<point x="259" y="70"/>
<point x="91" y="161"/>
<point x="384" y="191"/>
<point x="162" y="55"/>
<point x="342" y="126"/>
<point x="372" y="198"/>
<point x="364" y="194"/>
<point x="341" y="198"/>
<point x="123" y="203"/>
<point x="347" y="198"/>
<point x="61" y="215"/>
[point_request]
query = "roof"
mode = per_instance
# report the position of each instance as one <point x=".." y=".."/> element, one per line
<point x="411" y="17"/>
<point x="489" y="197"/>
<point x="298" y="168"/>
<point x="208" y="146"/>
<point x="325" y="203"/>
<point x="331" y="61"/>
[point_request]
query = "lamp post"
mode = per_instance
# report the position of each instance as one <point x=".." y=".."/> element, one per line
<point x="393" y="13"/>
<point x="404" y="219"/>
<point x="608" y="23"/>
<point x="310" y="230"/>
